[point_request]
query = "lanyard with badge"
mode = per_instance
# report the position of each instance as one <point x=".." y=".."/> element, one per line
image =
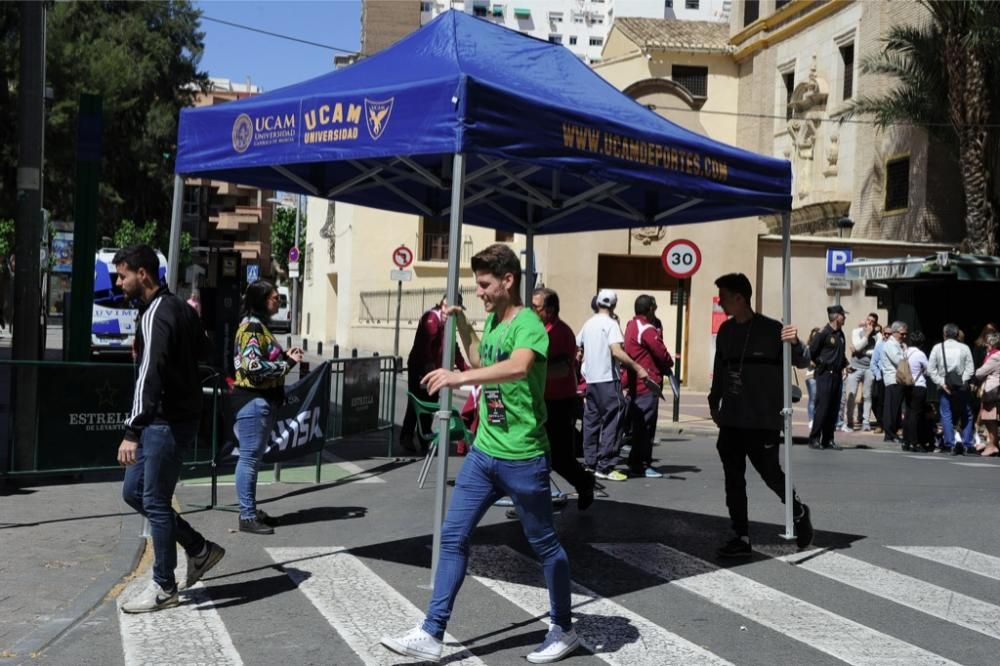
<point x="496" y="412"/>
<point x="735" y="385"/>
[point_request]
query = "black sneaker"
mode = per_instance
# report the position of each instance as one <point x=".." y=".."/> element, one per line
<point x="803" y="528"/>
<point x="255" y="526"/>
<point x="833" y="446"/>
<point x="737" y="547"/>
<point x="199" y="566"/>
<point x="511" y="514"/>
<point x="814" y="444"/>
<point x="958" y="450"/>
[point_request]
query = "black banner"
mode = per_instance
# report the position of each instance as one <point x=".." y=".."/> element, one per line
<point x="300" y="425"/>
<point x="361" y="393"/>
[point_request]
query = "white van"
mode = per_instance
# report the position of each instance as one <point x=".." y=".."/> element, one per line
<point x="282" y="321"/>
<point x="112" y="330"/>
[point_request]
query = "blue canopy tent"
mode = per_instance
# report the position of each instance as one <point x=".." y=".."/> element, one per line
<point x="470" y="120"/>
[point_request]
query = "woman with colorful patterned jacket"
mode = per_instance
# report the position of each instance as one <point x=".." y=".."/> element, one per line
<point x="261" y="365"/>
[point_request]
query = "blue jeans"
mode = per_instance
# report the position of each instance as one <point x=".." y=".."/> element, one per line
<point x="958" y="402"/>
<point x="253" y="429"/>
<point x="811" y="388"/>
<point x="149" y="487"/>
<point x="483" y="480"/>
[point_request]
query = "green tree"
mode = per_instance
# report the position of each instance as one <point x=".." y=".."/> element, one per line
<point x="6" y="237"/>
<point x="948" y="74"/>
<point x="142" y="59"/>
<point x="283" y="234"/>
<point x="129" y="233"/>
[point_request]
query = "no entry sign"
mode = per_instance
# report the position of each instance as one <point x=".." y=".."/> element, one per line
<point x="681" y="259"/>
<point x="402" y="256"/>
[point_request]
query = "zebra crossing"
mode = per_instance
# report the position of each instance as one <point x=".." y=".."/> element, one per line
<point x="360" y="603"/>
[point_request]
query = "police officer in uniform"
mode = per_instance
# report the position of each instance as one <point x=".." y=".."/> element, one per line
<point x="828" y="352"/>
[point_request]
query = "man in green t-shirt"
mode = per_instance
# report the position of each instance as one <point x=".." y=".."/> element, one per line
<point x="510" y="456"/>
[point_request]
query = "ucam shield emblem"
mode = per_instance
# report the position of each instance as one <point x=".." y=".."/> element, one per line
<point x="242" y="133"/>
<point x="377" y="116"/>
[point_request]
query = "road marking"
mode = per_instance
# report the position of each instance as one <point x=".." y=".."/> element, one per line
<point x="977" y="464"/>
<point x="358" y="473"/>
<point x="800" y="620"/>
<point x="613" y="633"/>
<point x="192" y="633"/>
<point x="908" y="591"/>
<point x="927" y="457"/>
<point x="960" y="558"/>
<point x="357" y="603"/>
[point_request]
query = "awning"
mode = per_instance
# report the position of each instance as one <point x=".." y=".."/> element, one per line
<point x="521" y="12"/>
<point x="944" y="265"/>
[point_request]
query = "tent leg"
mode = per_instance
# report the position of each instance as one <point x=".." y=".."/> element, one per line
<point x="448" y="355"/>
<point x="529" y="265"/>
<point x="174" y="251"/>
<point x="786" y="364"/>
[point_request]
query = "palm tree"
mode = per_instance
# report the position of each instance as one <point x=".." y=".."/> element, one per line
<point x="947" y="71"/>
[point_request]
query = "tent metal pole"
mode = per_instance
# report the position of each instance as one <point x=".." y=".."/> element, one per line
<point x="448" y="355"/>
<point x="529" y="264"/>
<point x="174" y="248"/>
<point x="786" y="364"/>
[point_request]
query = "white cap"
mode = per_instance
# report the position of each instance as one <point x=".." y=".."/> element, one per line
<point x="607" y="298"/>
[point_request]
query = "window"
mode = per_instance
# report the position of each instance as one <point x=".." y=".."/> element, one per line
<point x="695" y="79"/>
<point x="479" y="10"/>
<point x="847" y="57"/>
<point x="597" y="41"/>
<point x="426" y="6"/>
<point x="572" y="40"/>
<point x="555" y="39"/>
<point x="497" y="10"/>
<point x="691" y="4"/>
<point x="897" y="184"/>
<point x="556" y="17"/>
<point x="599" y="20"/>
<point x="751" y="11"/>
<point x="522" y="12"/>
<point x="577" y="18"/>
<point x="789" y="79"/>
<point x="434" y="239"/>
<point x="504" y="236"/>
<point x="668" y="4"/>
<point x="192" y="200"/>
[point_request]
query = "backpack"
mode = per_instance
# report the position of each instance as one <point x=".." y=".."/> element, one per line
<point x="904" y="375"/>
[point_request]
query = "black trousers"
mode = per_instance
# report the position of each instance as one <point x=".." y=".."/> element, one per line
<point x="913" y="423"/>
<point x="878" y="401"/>
<point x="561" y="429"/>
<point x="890" y="410"/>
<point x="643" y="411"/>
<point x="829" y="387"/>
<point x="413" y="377"/>
<point x="735" y="445"/>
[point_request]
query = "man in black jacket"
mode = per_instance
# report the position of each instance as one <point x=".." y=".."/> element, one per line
<point x="745" y="401"/>
<point x="166" y="409"/>
<point x="828" y="351"/>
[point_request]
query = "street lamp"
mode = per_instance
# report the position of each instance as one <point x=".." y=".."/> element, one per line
<point x="844" y="224"/>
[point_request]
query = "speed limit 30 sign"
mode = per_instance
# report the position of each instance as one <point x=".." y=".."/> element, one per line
<point x="681" y="259"/>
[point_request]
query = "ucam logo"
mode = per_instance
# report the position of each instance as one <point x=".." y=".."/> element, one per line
<point x="377" y="115"/>
<point x="264" y="130"/>
<point x="292" y="433"/>
<point x="837" y="259"/>
<point x="242" y="133"/>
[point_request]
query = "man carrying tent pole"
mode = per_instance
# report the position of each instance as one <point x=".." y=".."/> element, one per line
<point x="510" y="456"/>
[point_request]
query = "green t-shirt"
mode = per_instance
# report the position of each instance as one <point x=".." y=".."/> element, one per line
<point x="523" y="435"/>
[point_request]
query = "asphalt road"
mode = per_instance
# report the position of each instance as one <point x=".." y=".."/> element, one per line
<point x="904" y="571"/>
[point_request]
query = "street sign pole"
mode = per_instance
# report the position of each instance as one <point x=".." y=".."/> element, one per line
<point x="681" y="302"/>
<point x="295" y="280"/>
<point x="399" y="305"/>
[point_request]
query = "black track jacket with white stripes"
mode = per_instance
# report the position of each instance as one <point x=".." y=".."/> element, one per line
<point x="168" y="341"/>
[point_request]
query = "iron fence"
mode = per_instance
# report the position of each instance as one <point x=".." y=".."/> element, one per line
<point x="379" y="307"/>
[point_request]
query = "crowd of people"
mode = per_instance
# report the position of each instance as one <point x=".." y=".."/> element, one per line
<point x="890" y="381"/>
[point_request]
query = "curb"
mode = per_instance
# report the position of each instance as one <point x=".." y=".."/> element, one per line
<point x="126" y="557"/>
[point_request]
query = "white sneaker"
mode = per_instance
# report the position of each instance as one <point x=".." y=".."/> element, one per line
<point x="557" y="645"/>
<point x="846" y="428"/>
<point x="153" y="598"/>
<point x="958" y="438"/>
<point x="810" y="424"/>
<point x="417" y="643"/>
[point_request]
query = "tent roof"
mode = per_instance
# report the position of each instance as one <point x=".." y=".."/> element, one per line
<point x="549" y="143"/>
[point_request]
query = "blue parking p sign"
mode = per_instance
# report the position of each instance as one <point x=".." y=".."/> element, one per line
<point x="253" y="273"/>
<point x="837" y="259"/>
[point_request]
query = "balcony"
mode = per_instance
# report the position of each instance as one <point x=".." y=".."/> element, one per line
<point x="234" y="220"/>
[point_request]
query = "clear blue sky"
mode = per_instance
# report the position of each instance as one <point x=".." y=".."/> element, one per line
<point x="270" y="62"/>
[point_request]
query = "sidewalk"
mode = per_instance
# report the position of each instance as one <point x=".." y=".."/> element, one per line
<point x="64" y="548"/>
